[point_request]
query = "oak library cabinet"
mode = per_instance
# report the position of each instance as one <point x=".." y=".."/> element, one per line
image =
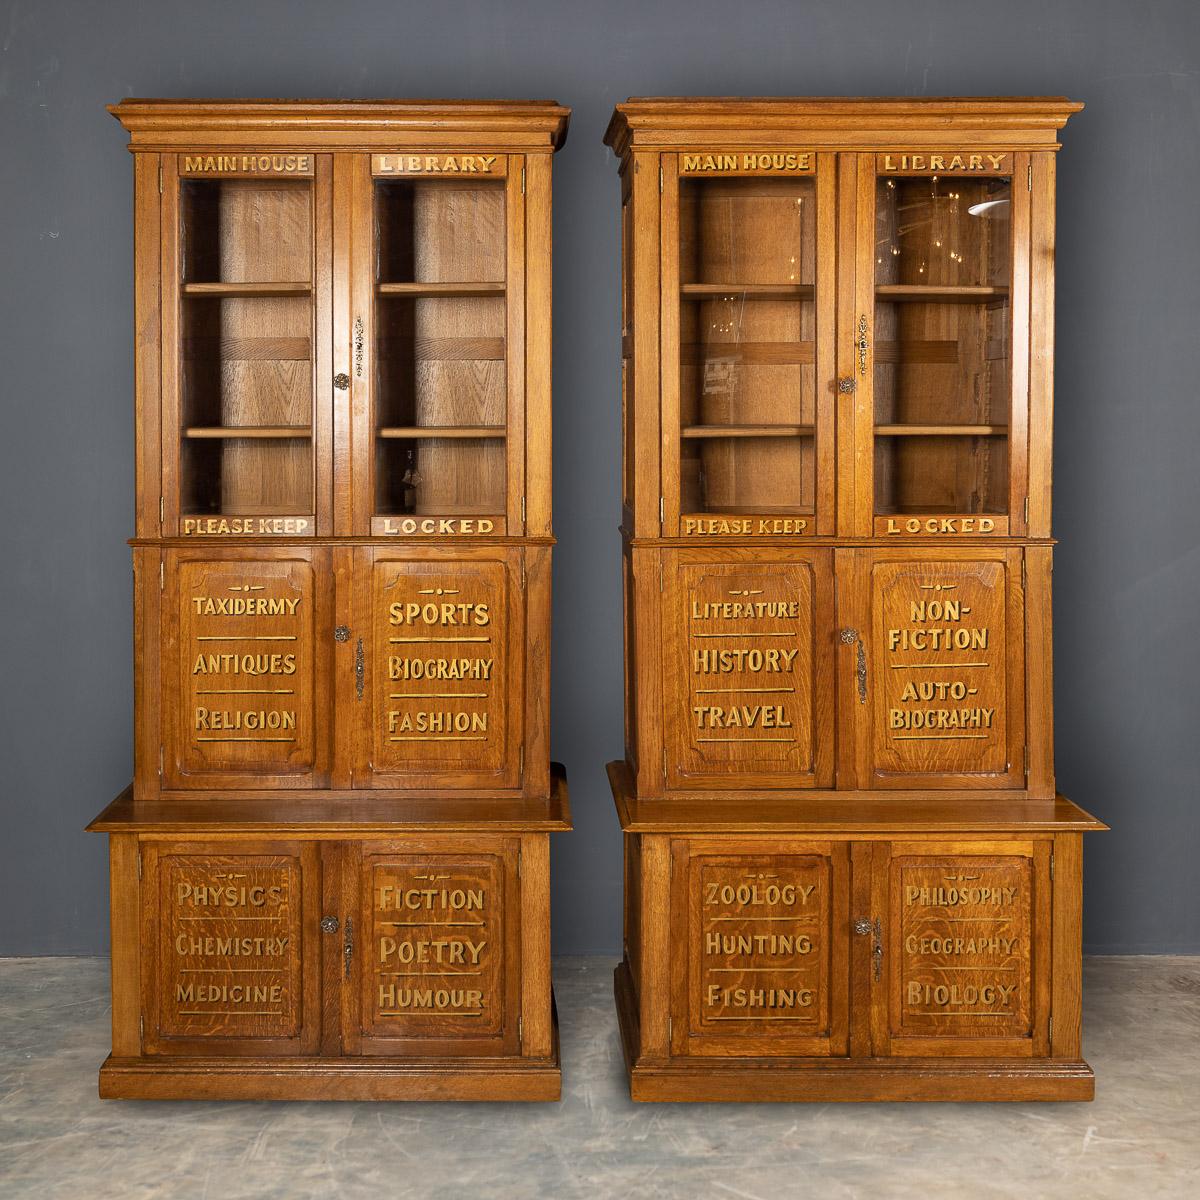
<point x="848" y="875"/>
<point x="330" y="875"/>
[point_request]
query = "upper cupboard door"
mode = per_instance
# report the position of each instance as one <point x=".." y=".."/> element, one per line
<point x="246" y="341"/>
<point x="748" y="342"/>
<point x="440" y="668"/>
<point x="434" y="333"/>
<point x="937" y="341"/>
<point x="931" y="671"/>
<point x="247" y="655"/>
<point x="749" y="667"/>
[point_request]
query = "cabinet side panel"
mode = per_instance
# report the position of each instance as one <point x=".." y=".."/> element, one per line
<point x="124" y="924"/>
<point x="1066" y="1001"/>
<point x="538" y="361"/>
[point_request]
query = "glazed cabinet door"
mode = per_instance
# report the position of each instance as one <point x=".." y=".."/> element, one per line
<point x="440" y="663"/>
<point x="961" y="948"/>
<point x="431" y="326"/>
<point x="230" y="953"/>
<point x="748" y="283"/>
<point x="765" y="930"/>
<point x="748" y="668"/>
<point x="931" y="670"/>
<point x="935" y="342"/>
<point x="247" y="381"/>
<point x="247" y="644"/>
<point x="436" y="968"/>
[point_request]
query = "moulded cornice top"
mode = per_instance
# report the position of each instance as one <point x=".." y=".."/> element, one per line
<point x="661" y="122"/>
<point x="515" y="125"/>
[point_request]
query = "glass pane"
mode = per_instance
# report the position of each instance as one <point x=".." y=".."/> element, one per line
<point x="245" y="368"/>
<point x="440" y="330"/>
<point x="943" y="316"/>
<point x="448" y="476"/>
<point x="434" y="231"/>
<point x="747" y="331"/>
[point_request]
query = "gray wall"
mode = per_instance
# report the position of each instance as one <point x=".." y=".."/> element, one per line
<point x="1128" y="430"/>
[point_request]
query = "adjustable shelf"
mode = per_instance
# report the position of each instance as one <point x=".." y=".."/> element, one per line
<point x="443" y="431"/>
<point x="434" y="290"/>
<point x="747" y="291"/>
<point x="930" y="293"/>
<point x="220" y="290"/>
<point x="747" y="431"/>
<point x="901" y="430"/>
<point x="248" y="431"/>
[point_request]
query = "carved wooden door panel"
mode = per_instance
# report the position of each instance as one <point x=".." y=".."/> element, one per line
<point x="436" y="963"/>
<point x="440" y="653"/>
<point x="230" y="952"/>
<point x="931" y="670"/>
<point x="962" y="949"/>
<point x="749" y="654"/>
<point x="247" y="651"/>
<point x="765" y="926"/>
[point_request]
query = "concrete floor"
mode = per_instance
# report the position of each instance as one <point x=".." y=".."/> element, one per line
<point x="1141" y="1137"/>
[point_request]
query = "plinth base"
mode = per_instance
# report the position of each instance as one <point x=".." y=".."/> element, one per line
<point x="332" y="1079"/>
<point x="790" y="1080"/>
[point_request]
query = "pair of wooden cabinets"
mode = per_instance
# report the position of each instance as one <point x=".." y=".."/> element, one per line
<point x="848" y="875"/>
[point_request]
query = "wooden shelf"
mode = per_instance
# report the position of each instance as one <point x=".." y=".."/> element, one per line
<point x="443" y="431"/>
<point x="248" y="431"/>
<point x="746" y="431"/>
<point x="748" y="291"/>
<point x="928" y="293"/>
<point x="420" y="290"/>
<point x="941" y="430"/>
<point x="247" y="289"/>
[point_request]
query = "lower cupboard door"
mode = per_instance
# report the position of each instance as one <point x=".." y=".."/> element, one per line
<point x="962" y="949"/>
<point x="229" y="948"/>
<point x="760" y="931"/>
<point x="437" y="973"/>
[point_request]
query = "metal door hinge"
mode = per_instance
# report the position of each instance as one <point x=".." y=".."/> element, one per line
<point x="1026" y="510"/>
<point x="1027" y="766"/>
<point x="1023" y="571"/>
<point x="1029" y="176"/>
<point x="1050" y="1030"/>
<point x="662" y="512"/>
<point x="162" y="510"/>
<point x="521" y="763"/>
<point x="522" y="569"/>
<point x="520" y="1031"/>
<point x="348" y="945"/>
<point x="141" y="1027"/>
<point x="161" y="755"/>
<point x="522" y="512"/>
<point x="670" y="1030"/>
<point x="661" y="183"/>
<point x="522" y="181"/>
<point x="162" y="575"/>
<point x="662" y="587"/>
<point x="160" y="173"/>
<point x="1052" y="866"/>
<point x="664" y="760"/>
<point x="139" y="864"/>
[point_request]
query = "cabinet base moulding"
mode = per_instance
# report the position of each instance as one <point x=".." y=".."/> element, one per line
<point x="782" y="1080"/>
<point x="322" y="1079"/>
